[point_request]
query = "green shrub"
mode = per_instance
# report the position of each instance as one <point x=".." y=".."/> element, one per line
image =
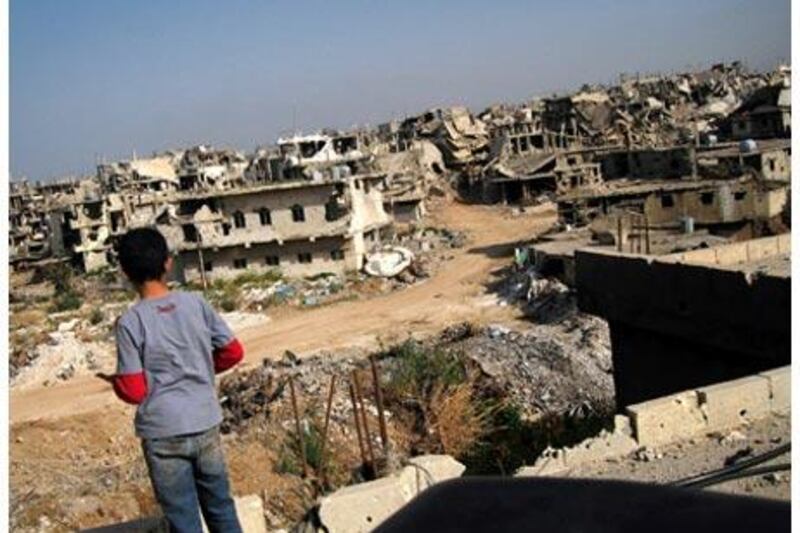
<point x="261" y="279"/>
<point x="418" y="370"/>
<point x="290" y="458"/>
<point x="96" y="317"/>
<point x="66" y="301"/>
<point x="228" y="303"/>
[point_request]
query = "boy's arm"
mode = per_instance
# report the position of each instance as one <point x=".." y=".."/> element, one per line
<point x="130" y="384"/>
<point x="227" y="350"/>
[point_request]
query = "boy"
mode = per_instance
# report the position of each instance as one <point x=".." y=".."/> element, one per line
<point x="169" y="346"/>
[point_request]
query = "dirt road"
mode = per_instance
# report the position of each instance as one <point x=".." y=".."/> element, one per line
<point x="456" y="292"/>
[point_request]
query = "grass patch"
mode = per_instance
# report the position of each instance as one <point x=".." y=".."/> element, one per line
<point x="450" y="407"/>
<point x="290" y="458"/>
<point x="418" y="370"/>
<point x="68" y="300"/>
<point x="96" y="316"/>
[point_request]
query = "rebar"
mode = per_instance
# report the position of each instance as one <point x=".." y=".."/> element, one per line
<point x="367" y="436"/>
<point x="323" y="457"/>
<point x="301" y="442"/>
<point x="379" y="402"/>
<point x="358" y="424"/>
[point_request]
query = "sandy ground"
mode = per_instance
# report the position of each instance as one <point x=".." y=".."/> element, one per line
<point x="704" y="454"/>
<point x="457" y="292"/>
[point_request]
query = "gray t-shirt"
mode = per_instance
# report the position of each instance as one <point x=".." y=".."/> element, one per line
<point x="172" y="339"/>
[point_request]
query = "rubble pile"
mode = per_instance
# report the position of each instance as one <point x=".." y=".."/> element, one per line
<point x="547" y="369"/>
<point x="655" y="110"/>
<point x="543" y="299"/>
<point x="248" y="397"/>
<point x="462" y="138"/>
<point x="62" y="358"/>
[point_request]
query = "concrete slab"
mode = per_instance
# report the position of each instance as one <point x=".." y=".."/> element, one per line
<point x="733" y="403"/>
<point x="667" y="419"/>
<point x="362" y="507"/>
<point x="780" y="387"/>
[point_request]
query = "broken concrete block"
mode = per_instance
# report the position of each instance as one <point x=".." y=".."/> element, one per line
<point x="250" y="510"/>
<point x="732" y="403"/>
<point x="668" y="419"/>
<point x="780" y="381"/>
<point x="616" y="443"/>
<point x="364" y="506"/>
<point x="69" y="325"/>
<point x="552" y="462"/>
<point x="430" y="469"/>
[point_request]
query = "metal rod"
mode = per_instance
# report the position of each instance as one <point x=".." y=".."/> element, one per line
<point x="379" y="401"/>
<point x="201" y="260"/>
<point x="325" y="427"/>
<point x="367" y="436"/>
<point x="301" y="442"/>
<point x="647" y="235"/>
<point x="358" y="424"/>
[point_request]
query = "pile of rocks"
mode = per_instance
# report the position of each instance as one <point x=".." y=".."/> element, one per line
<point x="547" y="369"/>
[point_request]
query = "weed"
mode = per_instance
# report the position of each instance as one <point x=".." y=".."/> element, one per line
<point x="458" y="420"/>
<point x="96" y="316"/>
<point x="419" y="370"/>
<point x="290" y="459"/>
<point x="66" y="301"/>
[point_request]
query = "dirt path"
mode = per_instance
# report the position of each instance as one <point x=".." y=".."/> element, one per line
<point x="455" y="293"/>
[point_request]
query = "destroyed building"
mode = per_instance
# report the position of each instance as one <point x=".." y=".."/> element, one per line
<point x="301" y="228"/>
<point x="650" y="146"/>
<point x="765" y="114"/>
<point x="29" y="231"/>
<point x="728" y="205"/>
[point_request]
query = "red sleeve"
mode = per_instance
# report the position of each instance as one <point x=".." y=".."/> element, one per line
<point x="131" y="388"/>
<point x="227" y="356"/>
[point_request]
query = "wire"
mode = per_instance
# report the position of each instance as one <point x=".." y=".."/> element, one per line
<point x="708" y="478"/>
<point x="425" y="472"/>
<point x="738" y="475"/>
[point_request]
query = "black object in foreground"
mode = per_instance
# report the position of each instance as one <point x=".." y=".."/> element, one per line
<point x="551" y="505"/>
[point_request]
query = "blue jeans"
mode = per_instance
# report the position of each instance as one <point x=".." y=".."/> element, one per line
<point x="187" y="470"/>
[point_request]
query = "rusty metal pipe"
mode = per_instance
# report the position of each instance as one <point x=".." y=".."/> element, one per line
<point x="300" y="440"/>
<point x="367" y="436"/>
<point x="358" y="424"/>
<point x="379" y="402"/>
<point x="323" y="457"/>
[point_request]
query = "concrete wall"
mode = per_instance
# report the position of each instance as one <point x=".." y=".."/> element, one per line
<point x="688" y="414"/>
<point x="222" y="259"/>
<point x="675" y="326"/>
<point x="717" y="407"/>
<point x="739" y="252"/>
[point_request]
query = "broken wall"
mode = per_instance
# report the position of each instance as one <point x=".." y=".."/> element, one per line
<point x="675" y="326"/>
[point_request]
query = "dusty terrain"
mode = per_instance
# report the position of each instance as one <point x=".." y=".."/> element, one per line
<point x="707" y="453"/>
<point x="457" y="292"/>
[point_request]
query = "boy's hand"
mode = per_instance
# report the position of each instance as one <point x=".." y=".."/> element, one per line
<point x="105" y="377"/>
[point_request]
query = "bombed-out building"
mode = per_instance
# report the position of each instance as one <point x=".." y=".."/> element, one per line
<point x="302" y="228"/>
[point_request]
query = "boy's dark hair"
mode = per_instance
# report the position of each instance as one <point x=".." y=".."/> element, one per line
<point x="142" y="254"/>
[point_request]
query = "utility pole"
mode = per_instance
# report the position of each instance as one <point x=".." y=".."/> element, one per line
<point x="200" y="259"/>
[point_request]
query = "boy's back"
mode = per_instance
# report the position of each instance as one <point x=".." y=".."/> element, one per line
<point x="172" y="339"/>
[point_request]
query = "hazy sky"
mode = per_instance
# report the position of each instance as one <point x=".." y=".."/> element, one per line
<point x="94" y="78"/>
